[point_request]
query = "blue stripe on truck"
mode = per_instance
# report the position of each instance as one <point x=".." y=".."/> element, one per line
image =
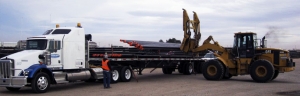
<point x="35" y="67"/>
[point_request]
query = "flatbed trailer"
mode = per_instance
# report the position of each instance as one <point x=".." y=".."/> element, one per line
<point x="63" y="55"/>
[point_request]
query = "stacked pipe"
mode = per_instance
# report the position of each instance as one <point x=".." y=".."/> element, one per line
<point x="142" y="49"/>
<point x="151" y="44"/>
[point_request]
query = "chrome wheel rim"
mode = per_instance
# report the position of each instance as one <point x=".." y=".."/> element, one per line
<point x="115" y="75"/>
<point x="127" y="74"/>
<point x="190" y="68"/>
<point x="42" y="83"/>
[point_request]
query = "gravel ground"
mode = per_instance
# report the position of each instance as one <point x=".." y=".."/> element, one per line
<point x="159" y="84"/>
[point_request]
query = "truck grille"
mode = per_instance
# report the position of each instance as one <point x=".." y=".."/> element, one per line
<point x="5" y="68"/>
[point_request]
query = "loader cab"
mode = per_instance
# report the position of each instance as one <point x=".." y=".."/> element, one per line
<point x="244" y="45"/>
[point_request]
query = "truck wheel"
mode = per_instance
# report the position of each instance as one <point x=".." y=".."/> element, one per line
<point x="213" y="70"/>
<point x="188" y="69"/>
<point x="180" y="68"/>
<point x="13" y="89"/>
<point x="262" y="71"/>
<point x="126" y="74"/>
<point x="198" y="67"/>
<point x="115" y="76"/>
<point x="275" y="74"/>
<point x="40" y="83"/>
<point x="167" y="70"/>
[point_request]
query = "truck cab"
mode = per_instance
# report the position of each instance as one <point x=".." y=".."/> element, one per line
<point x="60" y="48"/>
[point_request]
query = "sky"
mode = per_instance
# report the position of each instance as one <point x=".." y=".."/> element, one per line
<point x="111" y="20"/>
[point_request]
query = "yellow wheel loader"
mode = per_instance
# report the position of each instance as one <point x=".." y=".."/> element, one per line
<point x="245" y="57"/>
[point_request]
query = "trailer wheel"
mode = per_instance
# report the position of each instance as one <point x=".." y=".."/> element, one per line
<point x="40" y="83"/>
<point x="12" y="89"/>
<point x="180" y="68"/>
<point x="126" y="74"/>
<point x="115" y="75"/>
<point x="213" y="70"/>
<point x="198" y="67"/>
<point x="188" y="69"/>
<point x="275" y="74"/>
<point x="262" y="71"/>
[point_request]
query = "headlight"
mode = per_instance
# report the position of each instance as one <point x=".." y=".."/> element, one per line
<point x="26" y="72"/>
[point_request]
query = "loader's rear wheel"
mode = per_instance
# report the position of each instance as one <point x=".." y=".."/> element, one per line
<point x="213" y="70"/>
<point x="262" y="71"/>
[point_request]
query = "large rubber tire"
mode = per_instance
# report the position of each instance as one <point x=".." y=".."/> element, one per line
<point x="198" y="67"/>
<point x="188" y="69"/>
<point x="213" y="70"/>
<point x="13" y="89"/>
<point x="262" y="71"/>
<point x="275" y="74"/>
<point x="40" y="82"/>
<point x="126" y="74"/>
<point x="167" y="70"/>
<point x="115" y="75"/>
<point x="180" y="68"/>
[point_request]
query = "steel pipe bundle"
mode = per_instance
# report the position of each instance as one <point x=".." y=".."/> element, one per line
<point x="145" y="44"/>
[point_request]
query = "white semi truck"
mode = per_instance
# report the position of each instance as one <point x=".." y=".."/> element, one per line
<point x="62" y="55"/>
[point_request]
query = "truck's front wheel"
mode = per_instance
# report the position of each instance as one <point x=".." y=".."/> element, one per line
<point x="40" y="83"/>
<point x="12" y="89"/>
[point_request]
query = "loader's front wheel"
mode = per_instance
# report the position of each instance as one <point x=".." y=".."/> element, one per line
<point x="213" y="70"/>
<point x="262" y="71"/>
<point x="275" y="74"/>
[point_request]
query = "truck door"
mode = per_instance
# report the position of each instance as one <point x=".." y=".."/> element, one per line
<point x="55" y="50"/>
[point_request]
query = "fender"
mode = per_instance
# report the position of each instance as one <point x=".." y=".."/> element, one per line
<point x="36" y="67"/>
<point x="223" y="61"/>
<point x="225" y="65"/>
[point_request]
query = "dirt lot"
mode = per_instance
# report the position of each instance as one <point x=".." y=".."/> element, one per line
<point x="157" y="83"/>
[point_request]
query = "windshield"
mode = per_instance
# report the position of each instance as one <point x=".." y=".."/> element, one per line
<point x="36" y="44"/>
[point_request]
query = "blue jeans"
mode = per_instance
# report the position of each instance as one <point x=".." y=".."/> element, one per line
<point x="106" y="78"/>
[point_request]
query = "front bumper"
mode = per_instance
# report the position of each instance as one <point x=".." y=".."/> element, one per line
<point x="15" y="81"/>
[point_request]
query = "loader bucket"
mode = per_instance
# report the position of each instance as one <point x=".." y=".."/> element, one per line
<point x="186" y="26"/>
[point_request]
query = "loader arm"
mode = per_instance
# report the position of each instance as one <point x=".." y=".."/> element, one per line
<point x="210" y="46"/>
<point x="188" y="43"/>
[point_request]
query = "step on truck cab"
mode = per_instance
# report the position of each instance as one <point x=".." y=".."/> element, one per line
<point x="57" y="56"/>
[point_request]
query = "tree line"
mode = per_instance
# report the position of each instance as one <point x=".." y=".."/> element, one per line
<point x="171" y="40"/>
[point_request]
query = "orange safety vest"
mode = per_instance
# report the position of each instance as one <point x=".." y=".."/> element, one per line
<point x="104" y="65"/>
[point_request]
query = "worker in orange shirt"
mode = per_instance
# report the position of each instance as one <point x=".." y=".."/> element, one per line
<point x="106" y="71"/>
